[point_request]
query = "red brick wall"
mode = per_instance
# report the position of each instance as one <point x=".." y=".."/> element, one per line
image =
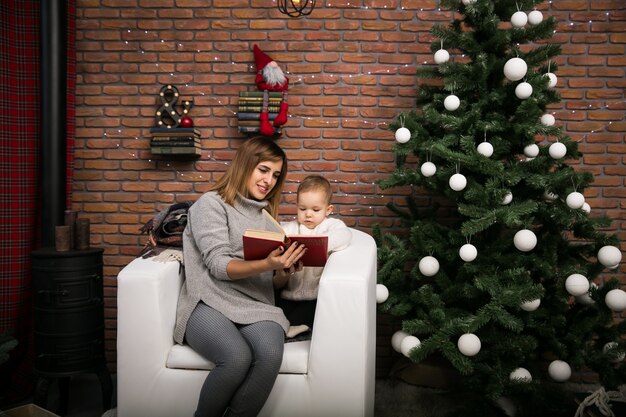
<point x="351" y="66"/>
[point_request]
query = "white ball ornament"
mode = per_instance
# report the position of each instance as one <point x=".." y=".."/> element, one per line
<point x="519" y="19"/>
<point x="515" y="69"/>
<point x="559" y="370"/>
<point x="615" y="300"/>
<point x="557" y="150"/>
<point x="525" y="240"/>
<point x="577" y="285"/>
<point x="548" y="120"/>
<point x="468" y="2"/>
<point x="520" y="375"/>
<point x="610" y="256"/>
<point x="451" y="102"/>
<point x="552" y="79"/>
<point x="442" y="56"/>
<point x="382" y="293"/>
<point x="523" y="90"/>
<point x="549" y="196"/>
<point x="396" y="340"/>
<point x="428" y="266"/>
<point x="468" y="252"/>
<point x="428" y="169"/>
<point x="507" y="199"/>
<point x="485" y="148"/>
<point x="403" y="135"/>
<point x="469" y="344"/>
<point x="575" y="200"/>
<point x="586" y="208"/>
<point x="613" y="351"/>
<point x="531" y="305"/>
<point x="535" y="17"/>
<point x="586" y="299"/>
<point x="531" y="150"/>
<point x="457" y="182"/>
<point x="409" y="343"/>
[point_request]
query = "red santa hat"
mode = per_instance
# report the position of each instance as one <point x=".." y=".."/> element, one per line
<point x="260" y="58"/>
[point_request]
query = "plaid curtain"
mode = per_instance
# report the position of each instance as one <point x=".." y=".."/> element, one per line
<point x="19" y="176"/>
<point x="19" y="156"/>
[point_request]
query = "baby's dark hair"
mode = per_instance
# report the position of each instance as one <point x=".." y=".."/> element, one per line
<point x="316" y="183"/>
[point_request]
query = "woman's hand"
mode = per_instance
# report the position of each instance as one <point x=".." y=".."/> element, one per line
<point x="287" y="259"/>
<point x="278" y="260"/>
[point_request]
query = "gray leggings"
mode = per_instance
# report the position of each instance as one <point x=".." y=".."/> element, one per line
<point x="247" y="359"/>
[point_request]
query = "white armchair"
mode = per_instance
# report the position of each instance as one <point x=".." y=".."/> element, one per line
<point x="330" y="375"/>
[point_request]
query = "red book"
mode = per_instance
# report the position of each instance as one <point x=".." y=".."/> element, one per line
<point x="257" y="244"/>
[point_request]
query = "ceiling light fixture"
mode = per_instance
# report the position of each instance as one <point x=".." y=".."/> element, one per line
<point x="296" y="8"/>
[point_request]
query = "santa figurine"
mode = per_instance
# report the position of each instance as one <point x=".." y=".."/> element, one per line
<point x="270" y="77"/>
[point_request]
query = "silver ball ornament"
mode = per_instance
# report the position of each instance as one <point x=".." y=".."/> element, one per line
<point x="403" y="135"/>
<point x="451" y="102"/>
<point x="428" y="169"/>
<point x="515" y="69"/>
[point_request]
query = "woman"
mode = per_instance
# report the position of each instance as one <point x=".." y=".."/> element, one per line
<point x="226" y="308"/>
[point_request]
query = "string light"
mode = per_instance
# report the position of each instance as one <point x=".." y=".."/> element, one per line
<point x="375" y="197"/>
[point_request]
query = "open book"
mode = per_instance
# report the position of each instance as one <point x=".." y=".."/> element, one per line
<point x="257" y="244"/>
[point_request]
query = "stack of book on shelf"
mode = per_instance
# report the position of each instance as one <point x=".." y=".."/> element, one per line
<point x="250" y="106"/>
<point x="175" y="141"/>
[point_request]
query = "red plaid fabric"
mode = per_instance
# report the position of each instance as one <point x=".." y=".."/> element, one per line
<point x="19" y="175"/>
<point x="19" y="153"/>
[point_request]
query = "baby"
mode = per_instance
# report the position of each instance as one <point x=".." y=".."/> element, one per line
<point x="299" y="297"/>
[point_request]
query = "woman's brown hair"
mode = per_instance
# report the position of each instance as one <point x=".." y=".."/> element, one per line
<point x="248" y="156"/>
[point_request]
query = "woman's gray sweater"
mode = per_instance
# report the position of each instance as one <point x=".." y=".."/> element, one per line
<point x="212" y="238"/>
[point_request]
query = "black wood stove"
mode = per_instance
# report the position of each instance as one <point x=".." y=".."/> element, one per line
<point x="68" y="320"/>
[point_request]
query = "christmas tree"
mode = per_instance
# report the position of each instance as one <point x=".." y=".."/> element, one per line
<point x="505" y="273"/>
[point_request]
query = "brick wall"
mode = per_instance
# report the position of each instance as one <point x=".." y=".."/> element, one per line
<point x="351" y="66"/>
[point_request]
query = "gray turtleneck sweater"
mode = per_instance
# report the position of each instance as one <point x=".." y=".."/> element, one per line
<point x="212" y="238"/>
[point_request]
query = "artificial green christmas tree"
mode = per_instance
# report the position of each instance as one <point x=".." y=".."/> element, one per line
<point x="506" y="273"/>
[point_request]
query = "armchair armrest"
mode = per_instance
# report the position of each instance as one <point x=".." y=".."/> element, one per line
<point x="343" y="343"/>
<point x="147" y="298"/>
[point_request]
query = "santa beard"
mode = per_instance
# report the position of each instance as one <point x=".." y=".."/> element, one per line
<point x="273" y="75"/>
